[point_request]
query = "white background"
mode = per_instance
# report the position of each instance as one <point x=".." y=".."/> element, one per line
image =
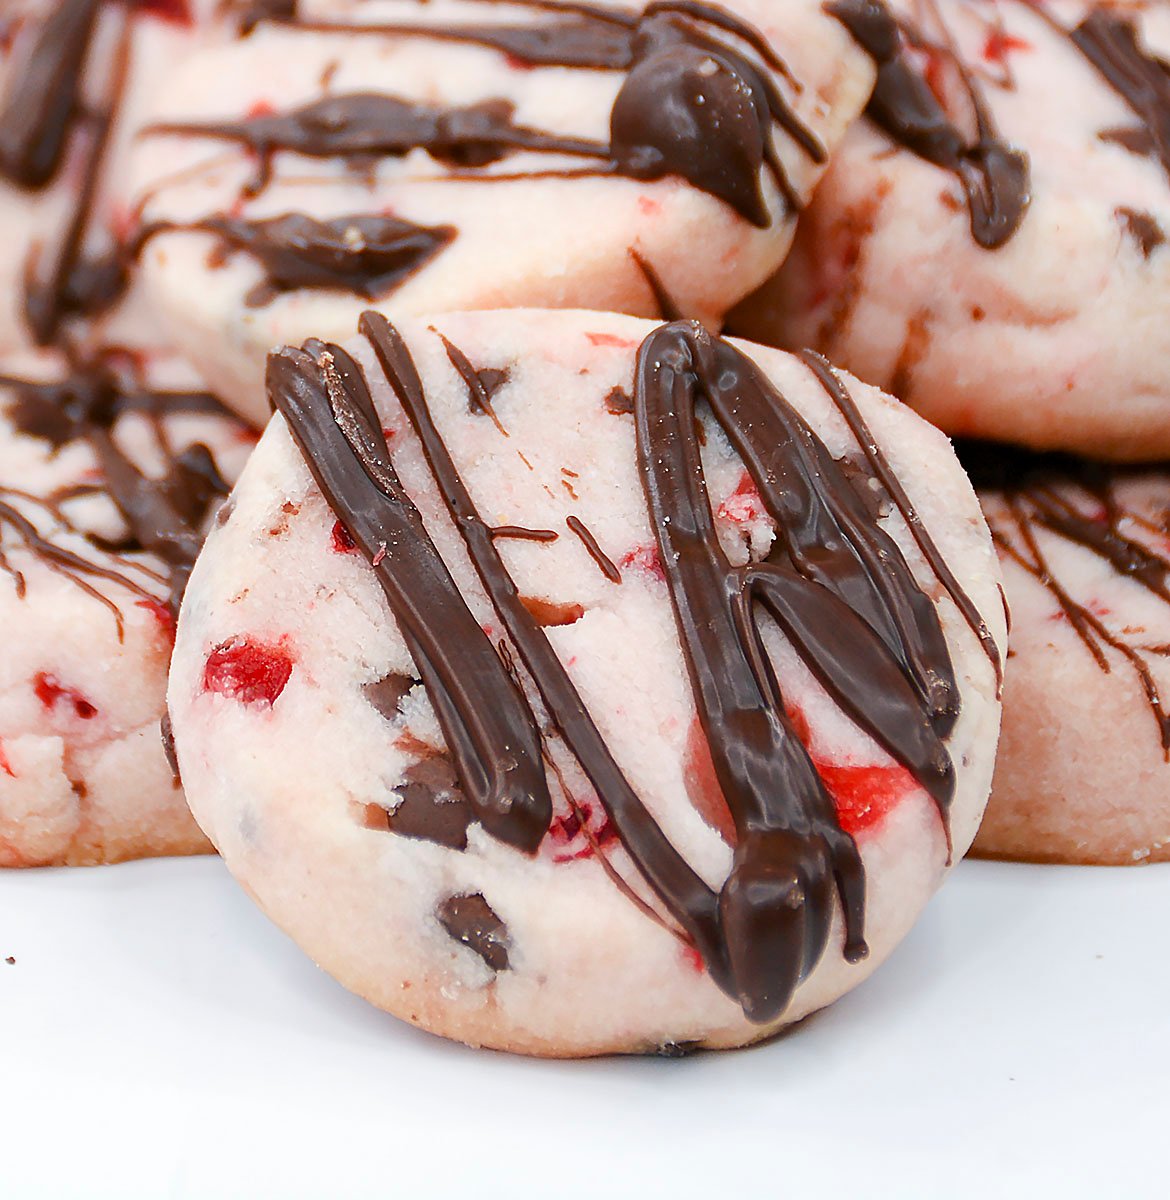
<point x="158" y="1038"/>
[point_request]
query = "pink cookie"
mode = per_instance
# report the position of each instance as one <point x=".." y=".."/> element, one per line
<point x="461" y="154"/>
<point x="990" y="245"/>
<point x="660" y="742"/>
<point x="1083" y="773"/>
<point x="106" y="486"/>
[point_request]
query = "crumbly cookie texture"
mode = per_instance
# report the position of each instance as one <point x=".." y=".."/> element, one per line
<point x="561" y="803"/>
<point x="106" y="486"/>
<point x="486" y="155"/>
<point x="1082" y="773"/>
<point x="990" y="243"/>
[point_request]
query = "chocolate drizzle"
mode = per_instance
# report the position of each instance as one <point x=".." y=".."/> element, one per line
<point x="1111" y="43"/>
<point x="45" y="99"/>
<point x="694" y="104"/>
<point x="44" y="116"/>
<point x="366" y="255"/>
<point x="1076" y="501"/>
<point x="994" y="176"/>
<point x="366" y="126"/>
<point x="165" y="516"/>
<point x="836" y="585"/>
<point x="485" y="721"/>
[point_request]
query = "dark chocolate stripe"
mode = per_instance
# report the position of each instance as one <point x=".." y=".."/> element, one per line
<point x="995" y="177"/>
<point x="830" y="535"/>
<point x="44" y="100"/>
<point x="369" y="256"/>
<point x="893" y="485"/>
<point x="1111" y="43"/>
<point x="489" y="729"/>
<point x="60" y="282"/>
<point x="604" y="563"/>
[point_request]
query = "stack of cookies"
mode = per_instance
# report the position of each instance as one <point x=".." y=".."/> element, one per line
<point x="565" y="673"/>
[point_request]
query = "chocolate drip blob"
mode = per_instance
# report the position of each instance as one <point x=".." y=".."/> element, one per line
<point x="851" y="609"/>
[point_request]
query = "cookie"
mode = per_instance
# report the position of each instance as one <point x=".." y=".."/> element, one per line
<point x="990" y="244"/>
<point x="1083" y="774"/>
<point x="106" y="487"/>
<point x="461" y="154"/>
<point x="570" y="684"/>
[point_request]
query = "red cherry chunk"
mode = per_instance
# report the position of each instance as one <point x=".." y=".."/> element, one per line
<point x="247" y="671"/>
<point x="53" y="694"/>
<point x="341" y="541"/>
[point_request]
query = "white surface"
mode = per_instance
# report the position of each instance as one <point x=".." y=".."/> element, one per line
<point x="158" y="1038"/>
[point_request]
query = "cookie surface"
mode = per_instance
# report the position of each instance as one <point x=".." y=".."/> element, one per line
<point x="990" y="243"/>
<point x="1082" y="774"/>
<point x="106" y="486"/>
<point x="533" y="849"/>
<point x="460" y="154"/>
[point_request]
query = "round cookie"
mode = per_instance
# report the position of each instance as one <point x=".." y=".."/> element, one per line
<point x="1083" y="773"/>
<point x="74" y="79"/>
<point x="458" y="154"/>
<point x="492" y="780"/>
<point x="106" y="485"/>
<point x="990" y="244"/>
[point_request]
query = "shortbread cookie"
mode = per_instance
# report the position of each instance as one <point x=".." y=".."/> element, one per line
<point x="568" y="684"/>
<point x="991" y="244"/>
<point x="1084" y="763"/>
<point x="461" y="154"/>
<point x="106" y="486"/>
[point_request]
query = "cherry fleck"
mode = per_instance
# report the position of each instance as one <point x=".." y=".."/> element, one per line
<point x="610" y="339"/>
<point x="51" y="693"/>
<point x="341" y="541"/>
<point x="645" y="559"/>
<point x="161" y="611"/>
<point x="1000" y="44"/>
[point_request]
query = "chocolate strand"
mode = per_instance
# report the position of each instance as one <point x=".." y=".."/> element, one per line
<point x="995" y="177"/>
<point x="66" y="284"/>
<point x="45" y="99"/>
<point x="488" y="727"/>
<point x="777" y="903"/>
<point x="1028" y="484"/>
<point x="367" y="255"/>
<point x="830" y="537"/>
<point x="885" y="473"/>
